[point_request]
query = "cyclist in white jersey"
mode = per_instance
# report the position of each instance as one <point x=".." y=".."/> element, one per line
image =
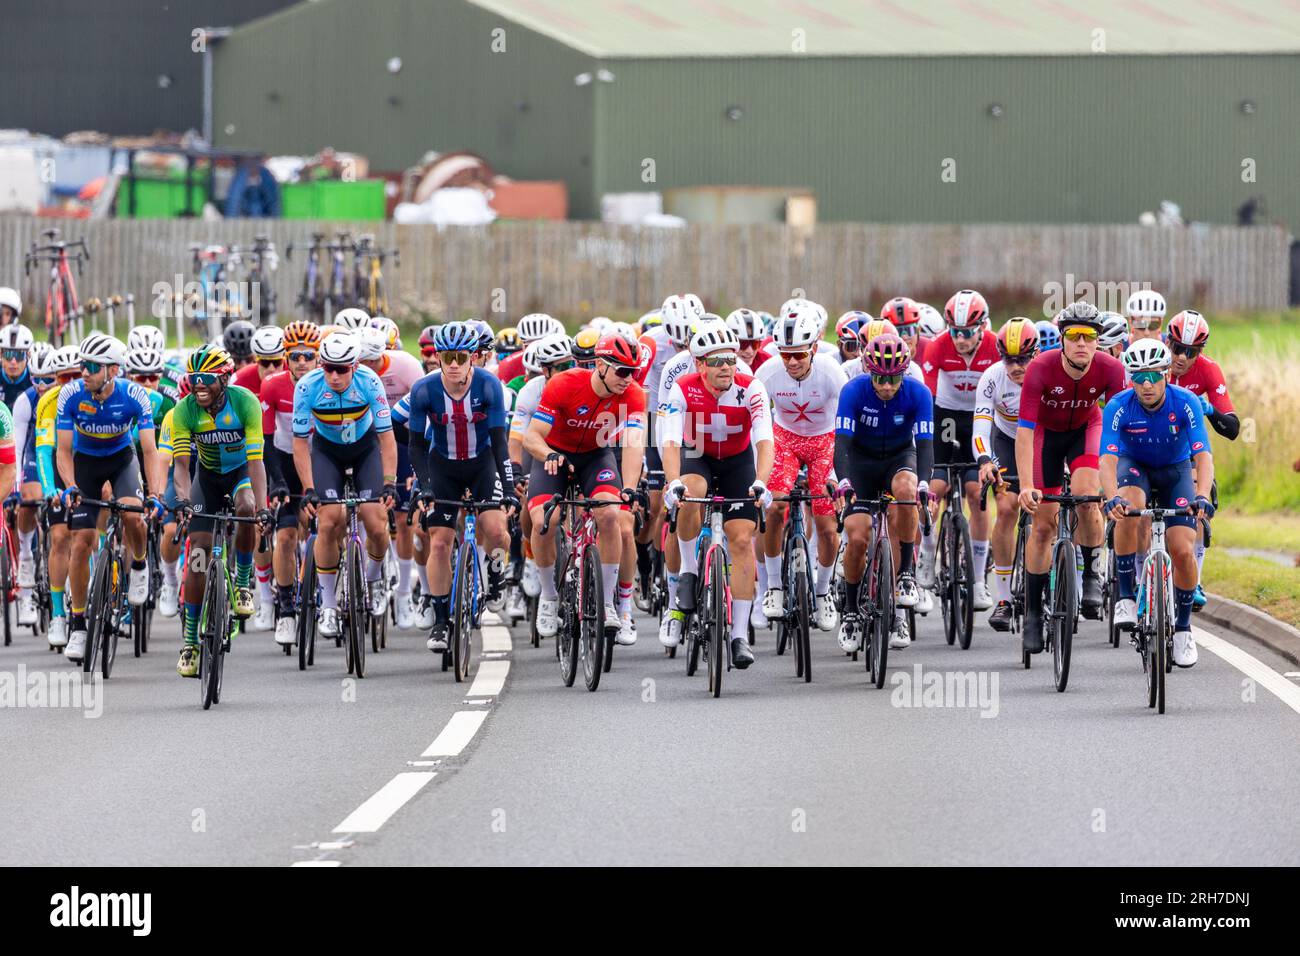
<point x="997" y="412"/>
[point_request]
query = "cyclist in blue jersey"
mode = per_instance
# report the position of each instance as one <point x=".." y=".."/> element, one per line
<point x="96" y="419"/>
<point x="1155" y="448"/>
<point x="457" y="422"/>
<point x="340" y="420"/>
<point x="884" y="439"/>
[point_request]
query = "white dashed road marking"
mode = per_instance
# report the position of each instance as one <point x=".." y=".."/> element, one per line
<point x="460" y="730"/>
<point x="374" y="813"/>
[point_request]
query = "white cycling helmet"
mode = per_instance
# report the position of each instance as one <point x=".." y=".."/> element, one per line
<point x="16" y="337"/>
<point x="687" y="304"/>
<point x="1147" y="355"/>
<point x="11" y="298"/>
<point x="798" y="327"/>
<point x="340" y="348"/>
<point x="144" y="362"/>
<point x="1114" y="330"/>
<point x="389" y="328"/>
<point x="39" y="349"/>
<point x="679" y="323"/>
<point x="600" y="323"/>
<point x="712" y="336"/>
<point x="931" y="321"/>
<point x="268" y="342"/>
<point x="547" y="351"/>
<point x="352" y="318"/>
<point x="747" y="324"/>
<point x="41" y="364"/>
<point x="66" y="359"/>
<point x="373" y="343"/>
<point x="1145" y="304"/>
<point x="538" y="325"/>
<point x="146" y="337"/>
<point x="104" y="349"/>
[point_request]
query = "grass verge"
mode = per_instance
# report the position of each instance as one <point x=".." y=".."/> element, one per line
<point x="1260" y="583"/>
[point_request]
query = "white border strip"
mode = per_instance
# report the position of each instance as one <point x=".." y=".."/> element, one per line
<point x="1252" y="667"/>
<point x="455" y="737"/>
<point x="390" y="798"/>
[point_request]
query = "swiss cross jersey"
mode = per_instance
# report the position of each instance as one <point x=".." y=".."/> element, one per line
<point x="952" y="378"/>
<point x="882" y="427"/>
<point x="250" y="377"/>
<point x="1206" y="378"/>
<point x="1051" y="399"/>
<point x="340" y="417"/>
<point x="997" y="402"/>
<point x="679" y="366"/>
<point x="581" y="420"/>
<point x="457" y="428"/>
<point x="277" y="411"/>
<point x="1167" y="435"/>
<point x="718" y="426"/>
<point x="103" y="428"/>
<point x="510" y="366"/>
<point x="806" y="407"/>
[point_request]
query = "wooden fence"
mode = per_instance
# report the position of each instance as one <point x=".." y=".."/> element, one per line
<point x="583" y="268"/>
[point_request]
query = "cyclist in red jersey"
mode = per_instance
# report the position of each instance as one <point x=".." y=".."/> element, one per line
<point x="581" y="418"/>
<point x="268" y="349"/>
<point x="1060" y="425"/>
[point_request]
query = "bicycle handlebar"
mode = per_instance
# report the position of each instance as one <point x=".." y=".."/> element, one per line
<point x="1072" y="500"/>
<point x="558" y="501"/>
<point x="718" y="500"/>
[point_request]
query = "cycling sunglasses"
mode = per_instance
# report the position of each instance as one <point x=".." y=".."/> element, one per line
<point x="428" y="351"/>
<point x="793" y="356"/>
<point x="1190" y="351"/>
<point x="1147" y="378"/>
<point x="15" y="355"/>
<point x="43" y="380"/>
<point x="750" y="343"/>
<point x="887" y="379"/>
<point x="201" y="378"/>
<point x="851" y="346"/>
<point x="151" y="377"/>
<point x="562" y="366"/>
<point x="957" y="333"/>
<point x="303" y="356"/>
<point x="720" y="361"/>
<point x="92" y="367"/>
<point x="627" y="371"/>
<point x="1077" y="333"/>
<point x="331" y="368"/>
<point x="270" y="363"/>
<point x="1018" y="359"/>
<point x="454" y="358"/>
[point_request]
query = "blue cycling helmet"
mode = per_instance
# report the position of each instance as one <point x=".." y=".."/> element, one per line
<point x="487" y="339"/>
<point x="1049" y="337"/>
<point x="456" y="337"/>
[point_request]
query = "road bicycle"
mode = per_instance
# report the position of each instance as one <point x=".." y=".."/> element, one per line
<point x="106" y="598"/>
<point x="312" y="295"/>
<point x="651" y="595"/>
<point x="142" y="616"/>
<point x="956" y="572"/>
<point x="307" y="600"/>
<point x="263" y="261"/>
<point x="61" y="307"/>
<point x="213" y="307"/>
<point x="707" y="628"/>
<point x="337" y="295"/>
<point x="353" y="591"/>
<point x="797" y="580"/>
<point x="8" y="576"/>
<point x="368" y="274"/>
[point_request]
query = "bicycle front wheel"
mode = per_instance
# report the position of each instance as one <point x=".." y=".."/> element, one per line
<point x="1158" y="599"/>
<point x="882" y="586"/>
<point x="566" y="634"/>
<point x="97" y="598"/>
<point x="462" y="621"/>
<point x="964" y="583"/>
<point x="214" y="630"/>
<point x="803" y="612"/>
<point x="717" y="632"/>
<point x="357" y="612"/>
<point x="1064" y="603"/>
<point x="591" y="619"/>
<point x="306" y="622"/>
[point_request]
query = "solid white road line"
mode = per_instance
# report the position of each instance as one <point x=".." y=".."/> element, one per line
<point x="1252" y="667"/>
<point x="460" y="730"/>
<point x="374" y="813"/>
<point x="495" y="638"/>
<point x="489" y="679"/>
<point x="319" y="863"/>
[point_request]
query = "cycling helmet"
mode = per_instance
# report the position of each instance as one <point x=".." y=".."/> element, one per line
<point x="1189" y="328"/>
<point x="617" y="350"/>
<point x="16" y="337"/>
<point x="966" y="310"/>
<point x="389" y="328"/>
<point x="67" y="358"/>
<point x="427" y="335"/>
<point x="1080" y="313"/>
<point x="351" y="319"/>
<point x="930" y="320"/>
<point x="853" y="332"/>
<point x="372" y="343"/>
<point x="1018" y="338"/>
<point x="1049" y="336"/>
<point x="456" y="337"/>
<point x="600" y="323"/>
<point x="875" y="328"/>
<point x="144" y="362"/>
<point x="583" y="347"/>
<point x="268" y="342"/>
<point x="679" y="323"/>
<point x="238" y="339"/>
<point x="886" y="355"/>
<point x="146" y="337"/>
<point x="842" y="330"/>
<point x="747" y="324"/>
<point x="547" y="351"/>
<point x="798" y="327"/>
<point x="486" y="337"/>
<point x="902" y="311"/>
<point x="41" y="364"/>
<point x="1145" y="304"/>
<point x="11" y="298"/>
<point x="713" y="337"/>
<point x="537" y="325"/>
<point x="651" y="320"/>
<point x="39" y="349"/>
<point x="507" y="341"/>
<point x="340" y="348"/>
<point x="1147" y="355"/>
<point x="686" y="306"/>
<point x="209" y="358"/>
<point x="1114" y="330"/>
<point x="98" y="347"/>
<point x="302" y="335"/>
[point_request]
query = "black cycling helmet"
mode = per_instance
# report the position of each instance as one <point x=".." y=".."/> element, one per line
<point x="238" y="339"/>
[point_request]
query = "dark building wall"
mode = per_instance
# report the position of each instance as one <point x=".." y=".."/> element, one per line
<point x="70" y="65"/>
<point x="316" y="76"/>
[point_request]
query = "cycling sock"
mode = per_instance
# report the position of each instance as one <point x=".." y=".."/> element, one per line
<point x="191" y="622"/>
<point x="624" y="597"/>
<point x="285" y="597"/>
<point x="1034" y="584"/>
<point x="404" y="575"/>
<point x="422" y="572"/>
<point x="169" y="573"/>
<point x="644" y="562"/>
<point x="374" y="567"/>
<point x="906" y="556"/>
<point x="672" y="588"/>
<point x="690" y="562"/>
<point x="1091" y="558"/>
<point x="548" y="582"/>
<point x="979" y="551"/>
<point x="25" y="539"/>
<point x="851" y="592"/>
<point x="243" y="569"/>
<point x="56" y="602"/>
<point x="1183" y="604"/>
<point x="138" y="564"/>
<point x="927" y="546"/>
<point x="264" y="584"/>
<point x="761" y="569"/>
<point x="1126" y="573"/>
<point x="1004" y="582"/>
<point x="773" y="568"/>
<point x="740" y="618"/>
<point x="329" y="580"/>
<point x="441" y="608"/>
<point x="1199" y="551"/>
<point x="824" y="575"/>
<point x="609" y="580"/>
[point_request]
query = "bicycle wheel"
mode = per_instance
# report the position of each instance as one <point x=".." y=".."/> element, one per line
<point x="213" y="631"/>
<point x="591" y="619"/>
<point x="882" y="586"/>
<point x="1018" y="575"/>
<point x="946" y="576"/>
<point x="462" y="617"/>
<point x="357" y="612"/>
<point x="718" y="630"/>
<point x="1111" y="592"/>
<point x="1065" y="602"/>
<point x="803" y="615"/>
<point x="306" y="622"/>
<point x="1158" y="599"/>
<point x="7" y="582"/>
<point x="97" y="597"/>
<point x="963" y="583"/>
<point x="566" y="634"/>
<point x="111" y="616"/>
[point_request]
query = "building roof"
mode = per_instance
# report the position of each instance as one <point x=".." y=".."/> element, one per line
<point x="740" y="28"/>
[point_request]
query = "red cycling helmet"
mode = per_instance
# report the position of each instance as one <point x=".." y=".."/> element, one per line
<point x="617" y="349"/>
<point x="1189" y="328"/>
<point x="886" y="354"/>
<point x="901" y="310"/>
<point x="966" y="310"/>
<point x="426" y="340"/>
<point x="1018" y="338"/>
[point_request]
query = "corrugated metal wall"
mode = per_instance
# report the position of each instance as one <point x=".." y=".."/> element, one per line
<point x="1081" y="139"/>
<point x="325" y="65"/>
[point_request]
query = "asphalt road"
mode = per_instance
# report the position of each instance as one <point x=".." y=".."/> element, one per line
<point x="408" y="767"/>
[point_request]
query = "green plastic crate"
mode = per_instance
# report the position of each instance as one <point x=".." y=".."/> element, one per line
<point x="334" y="199"/>
<point x="161" y="198"/>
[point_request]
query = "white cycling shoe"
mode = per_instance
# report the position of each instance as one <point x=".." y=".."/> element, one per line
<point x="849" y="634"/>
<point x="286" y="631"/>
<point x="925" y="572"/>
<point x="982" y="600"/>
<point x="548" y="616"/>
<point x="379" y="597"/>
<point x="263" y="620"/>
<point x="774" y="604"/>
<point x="169" y="600"/>
<point x="327" y="624"/>
<point x="26" y="610"/>
<point x="757" y="619"/>
<point x="424" y="615"/>
<point x="626" y="630"/>
<point x="531" y="581"/>
<point x="27" y="572"/>
<point x="402" y="613"/>
<point x="76" y="648"/>
<point x="517" y="605"/>
<point x="670" y="629"/>
<point x="906" y="593"/>
<point x="826" y="616"/>
<point x="1184" y="648"/>
<point x="898" y="637"/>
<point x="924" y="601"/>
<point x="138" y="592"/>
<point x="58" y="636"/>
<point x="1126" y="614"/>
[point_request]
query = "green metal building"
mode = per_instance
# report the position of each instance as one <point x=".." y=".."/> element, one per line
<point x="888" y="110"/>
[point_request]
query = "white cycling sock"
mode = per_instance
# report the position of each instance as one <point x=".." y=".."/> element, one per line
<point x="404" y="575"/>
<point x="824" y="575"/>
<point x="609" y="580"/>
<point x="761" y="573"/>
<point x="422" y="572"/>
<point x="548" y="582"/>
<point x="1004" y="582"/>
<point x="980" y="552"/>
<point x="773" y="568"/>
<point x="624" y="598"/>
<point x="329" y="582"/>
<point x="169" y="573"/>
<point x="927" y="547"/>
<point x="690" y="563"/>
<point x="374" y="568"/>
<point x="25" y="539"/>
<point x="740" y="618"/>
<point x="264" y="590"/>
<point x="672" y="589"/>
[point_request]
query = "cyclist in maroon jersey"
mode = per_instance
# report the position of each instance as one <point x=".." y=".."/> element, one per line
<point x="1060" y="425"/>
